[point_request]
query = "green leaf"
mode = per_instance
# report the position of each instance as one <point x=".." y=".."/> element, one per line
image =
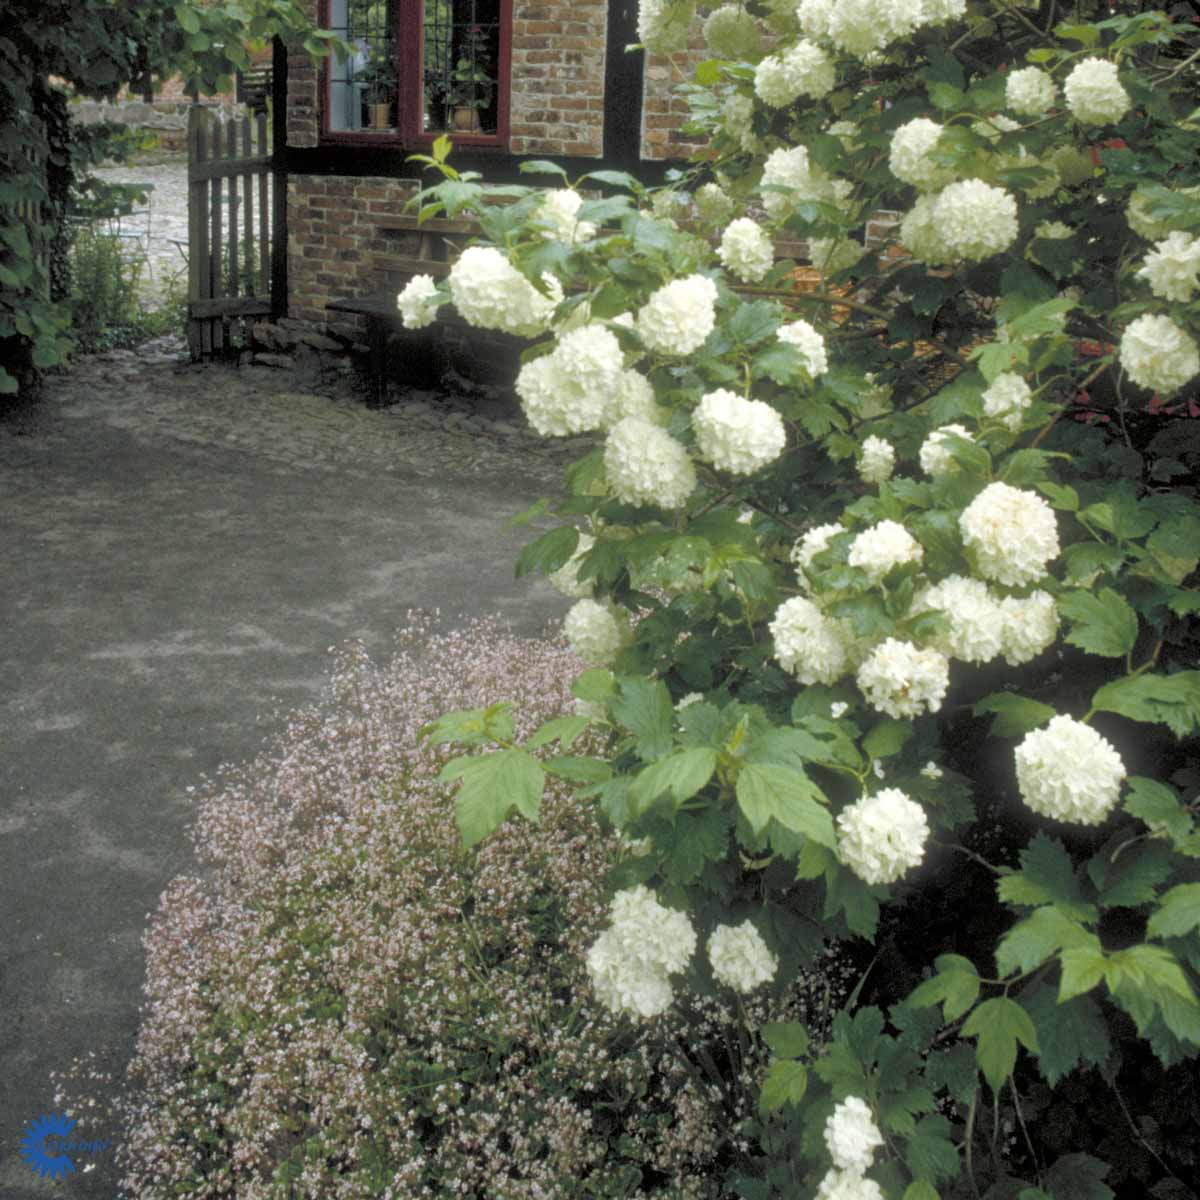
<point x="492" y="786"/>
<point x="787" y="1039"/>
<point x="578" y="769"/>
<point x="541" y="166"/>
<point x="754" y="322"/>
<point x="1103" y="624"/>
<point x="955" y="987"/>
<point x="594" y="686"/>
<point x="1068" y="1033"/>
<point x="845" y="892"/>
<point x="1128" y="872"/>
<point x="1158" y="806"/>
<point x="999" y="1024"/>
<point x="887" y="737"/>
<point x="617" y="179"/>
<point x="644" y="707"/>
<point x="682" y="774"/>
<point x="785" y="1083"/>
<point x="1078" y="1177"/>
<point x="1030" y="942"/>
<point x="1016" y="715"/>
<point x="563" y="730"/>
<point x="467" y="726"/>
<point x="548" y="552"/>
<point x="930" y="1153"/>
<point x="1172" y="700"/>
<point x="8" y="384"/>
<point x="1082" y="969"/>
<point x="953" y="1070"/>
<point x="1047" y="876"/>
<point x="1178" y="912"/>
<point x="188" y="20"/>
<point x="766" y="791"/>
<point x="920" y="1189"/>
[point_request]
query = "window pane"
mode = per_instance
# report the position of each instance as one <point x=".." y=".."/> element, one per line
<point x="462" y="65"/>
<point x="364" y="89"/>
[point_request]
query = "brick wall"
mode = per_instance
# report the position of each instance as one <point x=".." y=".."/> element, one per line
<point x="662" y="112"/>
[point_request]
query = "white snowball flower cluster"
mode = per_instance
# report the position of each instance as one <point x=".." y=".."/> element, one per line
<point x="1006" y="399"/>
<point x="804" y="180"/>
<point x="713" y="204"/>
<point x="679" y="316"/>
<point x="490" y="293"/>
<point x="1069" y="772"/>
<point x="1011" y="532"/>
<point x="559" y="209"/>
<point x="976" y="625"/>
<point x="566" y="579"/>
<point x="645" y="465"/>
<point x="740" y="958"/>
<point x="1094" y="93"/>
<point x="809" y="546"/>
<point x="864" y="27"/>
<point x="935" y="456"/>
<point x="880" y="837"/>
<point x="919" y="233"/>
<point x="851" y="1135"/>
<point x="1172" y="268"/>
<point x="833" y="254"/>
<point x="809" y="343"/>
<point x="878" y="460"/>
<point x="634" y="397"/>
<point x="975" y="219"/>
<point x="595" y="631"/>
<point x="813" y="647"/>
<point x="882" y="548"/>
<point x="663" y="24"/>
<point x="899" y="679"/>
<point x="747" y="250"/>
<point x="731" y="32"/>
<point x="909" y="158"/>
<point x="1029" y="625"/>
<point x="630" y="962"/>
<point x="801" y="70"/>
<point x="848" y="1185"/>
<point x="737" y="115"/>
<point x="1157" y="354"/>
<point x="735" y="434"/>
<point x="1030" y="92"/>
<point x="418" y="302"/>
<point x="571" y="389"/>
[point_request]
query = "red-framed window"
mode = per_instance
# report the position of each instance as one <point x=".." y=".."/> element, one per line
<point x="420" y="68"/>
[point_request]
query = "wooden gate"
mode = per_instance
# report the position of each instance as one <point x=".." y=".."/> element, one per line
<point x="230" y="248"/>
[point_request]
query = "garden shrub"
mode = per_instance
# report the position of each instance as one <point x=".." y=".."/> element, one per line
<point x="348" y="1003"/>
<point x="104" y="289"/>
<point x="923" y="678"/>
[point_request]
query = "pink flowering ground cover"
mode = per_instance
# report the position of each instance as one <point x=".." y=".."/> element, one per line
<point x="349" y="1004"/>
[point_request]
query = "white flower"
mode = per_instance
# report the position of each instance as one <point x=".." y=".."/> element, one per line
<point x="848" y="1185"/>
<point x="931" y="770"/>
<point x="740" y="958"/>
<point x="737" y="435"/>
<point x="938" y="12"/>
<point x="831" y="255"/>
<point x="1053" y="230"/>
<point x="838" y="709"/>
<point x="418" y="302"/>
<point x="713" y="204"/>
<point x="801" y="70"/>
<point x="747" y="250"/>
<point x="679" y="316"/>
<point x="558" y="210"/>
<point x="645" y="465"/>
<point x="878" y="460"/>
<point x="732" y="32"/>
<point x="851" y="1134"/>
<point x="1069" y="772"/>
<point x="1030" y="92"/>
<point x="935" y="456"/>
<point x="879" y="838"/>
<point x="663" y="24"/>
<point x="975" y="219"/>
<point x="882" y="548"/>
<point x="792" y="169"/>
<point x="1172" y="268"/>
<point x="566" y="579"/>
<point x="688" y="700"/>
<point x="1006" y="399"/>
<point x="1157" y="354"/>
<point x="595" y="631"/>
<point x="634" y="397"/>
<point x="1029" y="625"/>
<point x="920" y="236"/>
<point x="974" y="614"/>
<point x="490" y="293"/>
<point x="813" y="647"/>
<point x="1094" y="93"/>
<point x="861" y="27"/>
<point x="571" y="390"/>
<point x="809" y="546"/>
<point x="809" y="343"/>
<point x="630" y="962"/>
<point x="1012" y="533"/>
<point x="902" y="681"/>
<point x="737" y="115"/>
<point x="909" y="155"/>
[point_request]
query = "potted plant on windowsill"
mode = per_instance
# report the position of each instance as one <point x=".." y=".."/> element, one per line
<point x="379" y="80"/>
<point x="470" y="84"/>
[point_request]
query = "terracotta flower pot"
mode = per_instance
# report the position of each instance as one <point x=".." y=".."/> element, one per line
<point x="466" y="119"/>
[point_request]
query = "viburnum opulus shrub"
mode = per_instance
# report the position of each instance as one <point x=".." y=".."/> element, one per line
<point x="915" y="557"/>
<point x="349" y="1004"/>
